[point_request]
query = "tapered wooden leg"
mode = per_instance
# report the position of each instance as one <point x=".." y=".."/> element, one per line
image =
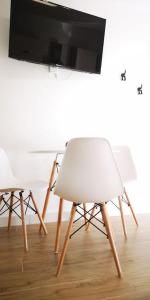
<point x="10" y="210"/>
<point x="131" y="208"/>
<point x="92" y="214"/>
<point x="58" y="225"/>
<point x="47" y="198"/>
<point x="104" y="221"/>
<point x="1" y="198"/>
<point x="61" y="260"/>
<point x="39" y="216"/>
<point x="122" y="217"/>
<point x="84" y="207"/>
<point x="110" y="237"/>
<point x="23" y="223"/>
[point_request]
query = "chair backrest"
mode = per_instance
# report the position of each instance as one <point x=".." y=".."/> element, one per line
<point x="88" y="172"/>
<point x="125" y="163"/>
<point x="6" y="175"/>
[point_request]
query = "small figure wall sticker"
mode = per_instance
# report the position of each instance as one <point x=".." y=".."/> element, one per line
<point x="123" y="76"/>
<point x="139" y="90"/>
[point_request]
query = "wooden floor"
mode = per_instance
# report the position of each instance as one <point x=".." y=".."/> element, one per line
<point x="89" y="272"/>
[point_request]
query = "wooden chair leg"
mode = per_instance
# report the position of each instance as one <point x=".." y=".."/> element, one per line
<point x="47" y="198"/>
<point x="61" y="260"/>
<point x="23" y="223"/>
<point x="122" y="217"/>
<point x="39" y="216"/>
<point x="131" y="208"/>
<point x="1" y="197"/>
<point x="10" y="210"/>
<point x="84" y="207"/>
<point x="58" y="225"/>
<point x="111" y="240"/>
<point x="104" y="221"/>
<point x="92" y="214"/>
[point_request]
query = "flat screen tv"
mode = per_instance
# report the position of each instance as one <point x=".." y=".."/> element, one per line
<point x="46" y="33"/>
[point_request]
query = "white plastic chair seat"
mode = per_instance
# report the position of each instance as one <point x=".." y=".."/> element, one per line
<point x="125" y="163"/>
<point x="9" y="183"/>
<point x="34" y="185"/>
<point x="9" y="190"/>
<point x="88" y="172"/>
<point x="17" y="185"/>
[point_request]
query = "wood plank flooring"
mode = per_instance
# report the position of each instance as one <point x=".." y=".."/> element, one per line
<point x="89" y="272"/>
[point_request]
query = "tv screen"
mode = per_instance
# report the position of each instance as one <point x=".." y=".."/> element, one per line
<point x="46" y="33"/>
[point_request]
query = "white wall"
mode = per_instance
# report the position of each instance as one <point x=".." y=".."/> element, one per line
<point x="40" y="111"/>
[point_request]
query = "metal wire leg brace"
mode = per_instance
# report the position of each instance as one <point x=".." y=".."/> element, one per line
<point x="13" y="208"/>
<point x="84" y="215"/>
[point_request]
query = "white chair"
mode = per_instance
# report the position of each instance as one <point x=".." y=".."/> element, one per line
<point x="12" y="189"/>
<point x="88" y="174"/>
<point x="127" y="171"/>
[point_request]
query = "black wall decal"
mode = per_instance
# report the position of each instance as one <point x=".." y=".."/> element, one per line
<point x="123" y="76"/>
<point x="139" y="90"/>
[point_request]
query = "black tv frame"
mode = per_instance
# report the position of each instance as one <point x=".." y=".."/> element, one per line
<point x="51" y="64"/>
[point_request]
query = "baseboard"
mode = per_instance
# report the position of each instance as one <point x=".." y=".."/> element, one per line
<point x="33" y="219"/>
